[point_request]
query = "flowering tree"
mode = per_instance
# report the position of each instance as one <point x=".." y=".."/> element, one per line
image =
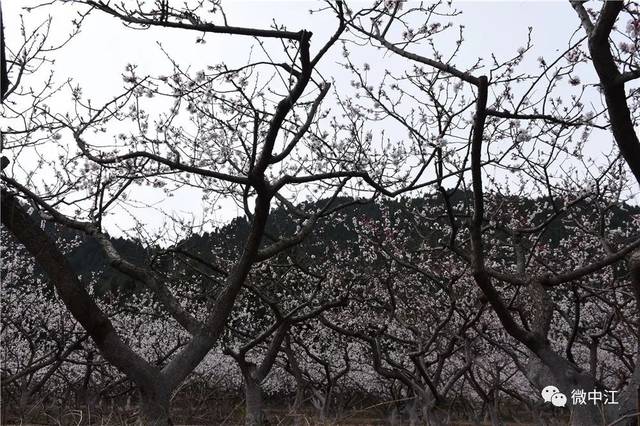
<point x="224" y="133"/>
<point x="519" y="134"/>
<point x="293" y="295"/>
<point x="519" y="267"/>
<point x="42" y="336"/>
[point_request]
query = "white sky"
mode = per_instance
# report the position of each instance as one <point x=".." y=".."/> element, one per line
<point x="96" y="58"/>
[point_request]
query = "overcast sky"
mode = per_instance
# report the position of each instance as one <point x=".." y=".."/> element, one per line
<point x="96" y="58"/>
<point x="105" y="46"/>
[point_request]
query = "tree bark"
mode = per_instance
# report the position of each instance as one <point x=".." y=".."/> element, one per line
<point x="253" y="402"/>
<point x="629" y="398"/>
<point x="75" y="297"/>
<point x="4" y="78"/>
<point x="154" y="406"/>
<point x="296" y="372"/>
<point x="494" y="416"/>
<point x="563" y="377"/>
<point x="612" y="85"/>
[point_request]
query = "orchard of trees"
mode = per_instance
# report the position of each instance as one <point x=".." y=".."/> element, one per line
<point x="364" y="224"/>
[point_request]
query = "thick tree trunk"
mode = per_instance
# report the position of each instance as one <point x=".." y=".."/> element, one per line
<point x="154" y="394"/>
<point x="23" y="405"/>
<point x="253" y="402"/>
<point x="541" y="375"/>
<point x="494" y="416"/>
<point x="425" y="404"/>
<point x="588" y="414"/>
<point x="326" y="406"/>
<point x="612" y="84"/>
<point x="298" y="399"/>
<point x="296" y="372"/>
<point x="154" y="406"/>
<point x="4" y="78"/>
<point x="412" y="410"/>
<point x="629" y="398"/>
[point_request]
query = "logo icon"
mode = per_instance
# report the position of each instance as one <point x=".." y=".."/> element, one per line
<point x="559" y="400"/>
<point x="553" y="395"/>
